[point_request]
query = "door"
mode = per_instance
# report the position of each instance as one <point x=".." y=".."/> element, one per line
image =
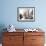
<point x="27" y="39"/>
<point x="37" y="40"/>
<point x="13" y="40"/>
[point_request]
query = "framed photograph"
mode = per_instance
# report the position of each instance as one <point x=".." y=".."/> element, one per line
<point x="26" y="14"/>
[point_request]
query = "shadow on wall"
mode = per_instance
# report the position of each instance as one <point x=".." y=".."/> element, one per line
<point x="2" y="26"/>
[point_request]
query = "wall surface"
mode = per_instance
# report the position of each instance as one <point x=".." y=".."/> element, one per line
<point x="8" y="13"/>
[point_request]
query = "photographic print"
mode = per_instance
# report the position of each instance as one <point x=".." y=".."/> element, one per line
<point x="26" y="14"/>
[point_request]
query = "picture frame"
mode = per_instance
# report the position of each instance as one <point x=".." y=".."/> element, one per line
<point x="26" y="14"/>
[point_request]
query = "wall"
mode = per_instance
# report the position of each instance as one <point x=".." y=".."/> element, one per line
<point x="9" y="13"/>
